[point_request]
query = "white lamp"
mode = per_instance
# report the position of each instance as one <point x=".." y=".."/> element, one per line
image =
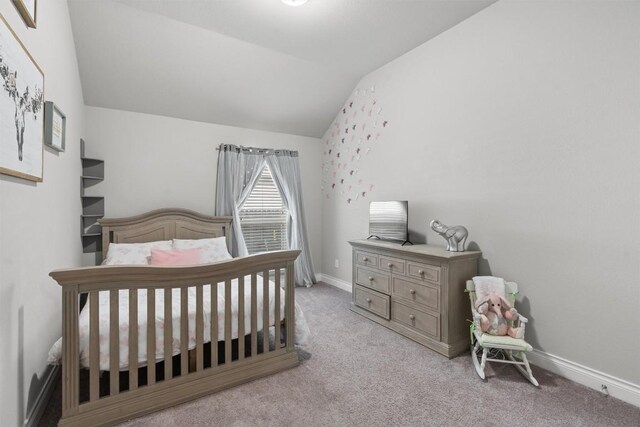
<point x="294" y="2"/>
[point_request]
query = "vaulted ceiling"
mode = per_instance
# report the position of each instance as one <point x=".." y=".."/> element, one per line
<point x="251" y="63"/>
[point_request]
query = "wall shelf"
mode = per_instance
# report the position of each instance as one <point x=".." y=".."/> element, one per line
<point x="92" y="206"/>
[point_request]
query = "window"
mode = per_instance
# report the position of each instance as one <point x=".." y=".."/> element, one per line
<point x="263" y="217"/>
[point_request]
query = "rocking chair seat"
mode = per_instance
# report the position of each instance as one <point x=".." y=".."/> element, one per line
<point x="505" y="342"/>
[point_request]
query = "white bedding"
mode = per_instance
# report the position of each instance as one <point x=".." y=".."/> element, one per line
<point x="55" y="353"/>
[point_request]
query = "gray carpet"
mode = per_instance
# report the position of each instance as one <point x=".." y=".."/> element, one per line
<point x="359" y="373"/>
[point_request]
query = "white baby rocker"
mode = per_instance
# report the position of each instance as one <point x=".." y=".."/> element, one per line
<point x="497" y="325"/>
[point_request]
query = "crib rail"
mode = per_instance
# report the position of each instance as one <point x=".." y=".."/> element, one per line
<point x="210" y="366"/>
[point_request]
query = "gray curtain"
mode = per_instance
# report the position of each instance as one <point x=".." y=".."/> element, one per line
<point x="285" y="170"/>
<point x="238" y="171"/>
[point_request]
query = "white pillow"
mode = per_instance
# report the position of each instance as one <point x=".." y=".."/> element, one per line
<point x="486" y="285"/>
<point x="133" y="253"/>
<point x="213" y="250"/>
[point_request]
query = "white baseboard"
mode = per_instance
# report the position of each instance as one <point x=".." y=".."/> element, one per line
<point x="616" y="387"/>
<point x="34" y="415"/>
<point x="333" y="281"/>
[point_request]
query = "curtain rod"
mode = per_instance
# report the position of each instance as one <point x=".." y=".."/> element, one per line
<point x="258" y="150"/>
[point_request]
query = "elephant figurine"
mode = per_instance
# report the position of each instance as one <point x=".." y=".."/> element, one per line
<point x="455" y="236"/>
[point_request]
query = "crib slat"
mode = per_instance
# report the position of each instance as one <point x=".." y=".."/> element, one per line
<point x="265" y="311"/>
<point x="94" y="347"/>
<point x="254" y="315"/>
<point x="276" y="309"/>
<point x="184" y="331"/>
<point x="114" y="343"/>
<point x="289" y="306"/>
<point x="227" y="322"/>
<point x="151" y="336"/>
<point x="168" y="334"/>
<point x="133" y="339"/>
<point x="199" y="329"/>
<point x="70" y="353"/>
<point x="240" y="317"/>
<point x="214" y="325"/>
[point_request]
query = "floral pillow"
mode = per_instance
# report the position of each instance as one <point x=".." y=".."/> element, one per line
<point x="213" y="250"/>
<point x="133" y="253"/>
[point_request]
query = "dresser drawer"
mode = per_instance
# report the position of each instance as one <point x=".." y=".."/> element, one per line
<point x="422" y="294"/>
<point x="371" y="301"/>
<point x="374" y="280"/>
<point x="392" y="265"/>
<point x="367" y="259"/>
<point x="420" y="321"/>
<point x="423" y="272"/>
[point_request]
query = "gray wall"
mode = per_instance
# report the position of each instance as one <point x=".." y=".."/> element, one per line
<point x="155" y="162"/>
<point x="521" y="123"/>
<point x="39" y="223"/>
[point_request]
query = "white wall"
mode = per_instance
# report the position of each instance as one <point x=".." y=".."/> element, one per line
<point x="39" y="223"/>
<point x="521" y="123"/>
<point x="154" y="162"/>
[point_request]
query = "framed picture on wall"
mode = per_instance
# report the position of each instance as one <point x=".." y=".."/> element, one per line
<point x="55" y="124"/>
<point x="27" y="9"/>
<point x="21" y="108"/>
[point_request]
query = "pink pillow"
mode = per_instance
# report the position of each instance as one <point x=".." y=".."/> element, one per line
<point x="175" y="256"/>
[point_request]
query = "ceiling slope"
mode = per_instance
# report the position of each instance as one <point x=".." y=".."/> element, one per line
<point x="249" y="63"/>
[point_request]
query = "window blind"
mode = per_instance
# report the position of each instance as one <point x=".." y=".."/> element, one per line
<point x="263" y="217"/>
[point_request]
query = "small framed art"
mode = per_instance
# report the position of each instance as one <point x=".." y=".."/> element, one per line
<point x="27" y="9"/>
<point x="55" y="126"/>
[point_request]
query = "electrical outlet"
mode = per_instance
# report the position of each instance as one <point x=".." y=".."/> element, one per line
<point x="336" y="263"/>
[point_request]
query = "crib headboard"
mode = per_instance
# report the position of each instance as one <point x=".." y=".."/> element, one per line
<point x="164" y="224"/>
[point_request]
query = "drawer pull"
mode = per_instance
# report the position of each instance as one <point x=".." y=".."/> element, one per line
<point x="412" y="317"/>
<point x="390" y="265"/>
<point x="368" y="300"/>
<point x="370" y="279"/>
<point x="421" y="272"/>
<point x="365" y="259"/>
<point x="412" y="291"/>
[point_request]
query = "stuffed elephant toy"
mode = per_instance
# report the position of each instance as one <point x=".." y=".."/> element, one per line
<point x="495" y="312"/>
<point x="455" y="236"/>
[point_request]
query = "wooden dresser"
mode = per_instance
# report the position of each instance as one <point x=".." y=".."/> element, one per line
<point x="417" y="291"/>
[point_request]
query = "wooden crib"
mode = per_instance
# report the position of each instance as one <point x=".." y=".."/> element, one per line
<point x="211" y="366"/>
